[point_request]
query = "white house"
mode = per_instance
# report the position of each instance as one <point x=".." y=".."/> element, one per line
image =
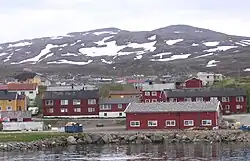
<point x="209" y="78"/>
<point x="28" y="89"/>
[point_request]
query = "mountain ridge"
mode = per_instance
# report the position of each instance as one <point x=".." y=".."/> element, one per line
<point x="172" y="49"/>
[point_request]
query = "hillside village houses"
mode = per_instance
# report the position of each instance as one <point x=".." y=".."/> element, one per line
<point x="209" y="78"/>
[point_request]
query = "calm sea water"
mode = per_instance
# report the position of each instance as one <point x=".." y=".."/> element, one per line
<point x="164" y="152"/>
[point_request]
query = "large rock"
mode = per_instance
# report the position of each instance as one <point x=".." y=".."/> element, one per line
<point x="107" y="138"/>
<point x="95" y="138"/>
<point x="71" y="140"/>
<point x="156" y="138"/>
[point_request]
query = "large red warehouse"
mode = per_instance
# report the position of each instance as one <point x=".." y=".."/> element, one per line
<point x="173" y="115"/>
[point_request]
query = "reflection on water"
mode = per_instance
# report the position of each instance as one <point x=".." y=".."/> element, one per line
<point x="164" y="152"/>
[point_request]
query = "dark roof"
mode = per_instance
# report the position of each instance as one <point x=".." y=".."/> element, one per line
<point x="25" y="75"/>
<point x="206" y="92"/>
<point x="156" y="107"/>
<point x="118" y="100"/>
<point x="134" y="91"/>
<point x="4" y="95"/>
<point x="87" y="94"/>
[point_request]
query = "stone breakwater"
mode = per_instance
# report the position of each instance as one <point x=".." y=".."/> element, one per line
<point x="129" y="138"/>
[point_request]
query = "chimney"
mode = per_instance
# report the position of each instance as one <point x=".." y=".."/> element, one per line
<point x="83" y="88"/>
<point x="163" y="82"/>
<point x="72" y="86"/>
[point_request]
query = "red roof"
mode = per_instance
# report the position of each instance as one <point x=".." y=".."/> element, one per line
<point x="3" y="87"/>
<point x="21" y="86"/>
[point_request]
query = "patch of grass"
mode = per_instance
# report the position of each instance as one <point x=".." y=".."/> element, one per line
<point x="29" y="136"/>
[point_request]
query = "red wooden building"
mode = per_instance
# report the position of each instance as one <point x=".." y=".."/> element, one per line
<point x="114" y="107"/>
<point x="233" y="100"/>
<point x="75" y="103"/>
<point x="193" y="83"/>
<point x="173" y="115"/>
<point x="155" y="92"/>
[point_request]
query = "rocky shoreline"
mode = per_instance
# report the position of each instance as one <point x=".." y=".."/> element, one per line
<point x="130" y="138"/>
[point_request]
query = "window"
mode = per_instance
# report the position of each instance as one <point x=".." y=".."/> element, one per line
<point x="240" y="99"/>
<point x="105" y="114"/>
<point x="172" y="99"/>
<point x="120" y="106"/>
<point x="9" y="108"/>
<point x="213" y="98"/>
<point x="147" y="100"/>
<point x="30" y="92"/>
<point x="49" y="102"/>
<point x="188" y="99"/>
<point x="134" y="123"/>
<point x="206" y="122"/>
<point x="147" y="93"/>
<point x="170" y="122"/>
<point x="22" y="93"/>
<point x="77" y="109"/>
<point x="238" y="107"/>
<point x="105" y="107"/>
<point x="207" y="77"/>
<point x="120" y="114"/>
<point x="199" y="99"/>
<point x="152" y="123"/>
<point x="91" y="101"/>
<point x="9" y="100"/>
<point x="50" y="110"/>
<point x="76" y="102"/>
<point x="154" y="93"/>
<point x="227" y="107"/>
<point x="64" y="110"/>
<point x="90" y="109"/>
<point x="188" y="122"/>
<point x="31" y="100"/>
<point x="154" y="100"/>
<point x="225" y="99"/>
<point x="19" y="108"/>
<point x="64" y="102"/>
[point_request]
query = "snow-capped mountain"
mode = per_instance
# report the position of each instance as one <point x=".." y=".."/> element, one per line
<point x="177" y="48"/>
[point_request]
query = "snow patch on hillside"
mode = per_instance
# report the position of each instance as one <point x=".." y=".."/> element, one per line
<point x="241" y="43"/>
<point x="20" y="44"/>
<point x="194" y="44"/>
<point x="69" y="54"/>
<point x="104" y="32"/>
<point x="213" y="43"/>
<point x="220" y="48"/>
<point x="212" y="63"/>
<point x="162" y="54"/>
<point x="2" y="54"/>
<point x="172" y="42"/>
<point x="35" y="59"/>
<point x="152" y="37"/>
<point x="247" y="70"/>
<point x="209" y="54"/>
<point x="64" y="61"/>
<point x="138" y="57"/>
<point x="173" y="57"/>
<point x="106" y="62"/>
<point x="8" y="57"/>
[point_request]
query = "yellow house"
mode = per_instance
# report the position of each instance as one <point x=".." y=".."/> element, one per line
<point x="11" y="101"/>
<point x="35" y="80"/>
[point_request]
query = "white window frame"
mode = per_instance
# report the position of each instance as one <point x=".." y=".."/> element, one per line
<point x="134" y="123"/>
<point x="240" y="99"/>
<point x="171" y="123"/>
<point x="225" y="99"/>
<point x="64" y="102"/>
<point x="172" y="99"/>
<point x="64" y="110"/>
<point x="49" y="102"/>
<point x="238" y="107"/>
<point x="91" y="109"/>
<point x="147" y="100"/>
<point x="77" y="109"/>
<point x="51" y="110"/>
<point x="154" y="100"/>
<point x="190" y="122"/>
<point x="187" y="99"/>
<point x="154" y="93"/>
<point x="105" y="107"/>
<point x="119" y="106"/>
<point x="199" y="99"/>
<point x="227" y="107"/>
<point x="9" y="108"/>
<point x="206" y="124"/>
<point x="147" y="93"/>
<point x="76" y="102"/>
<point x="152" y="123"/>
<point x="91" y="101"/>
